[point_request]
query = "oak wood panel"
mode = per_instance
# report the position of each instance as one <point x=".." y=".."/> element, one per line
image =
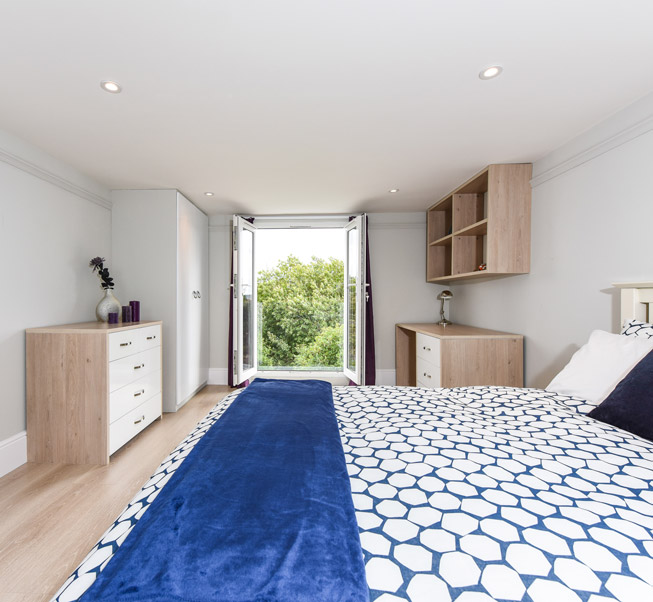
<point x="84" y="327"/>
<point x="52" y="514"/>
<point x="477" y="229"/>
<point x="438" y="224"/>
<point x="455" y="331"/>
<point x="67" y="398"/>
<point x="467" y="254"/>
<point x="405" y="356"/>
<point x="438" y="260"/>
<point x="467" y="210"/>
<point x="509" y="218"/>
<point x="471" y="362"/>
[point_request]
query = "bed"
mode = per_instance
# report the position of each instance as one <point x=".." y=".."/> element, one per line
<point x="470" y="494"/>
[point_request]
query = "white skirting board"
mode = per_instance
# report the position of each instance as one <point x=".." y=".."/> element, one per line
<point x="13" y="452"/>
<point x="218" y="376"/>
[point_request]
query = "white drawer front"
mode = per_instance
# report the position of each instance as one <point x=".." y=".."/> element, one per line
<point x="131" y="368"/>
<point x="134" y="394"/>
<point x="428" y="348"/>
<point x="122" y="344"/>
<point x="149" y="337"/>
<point x="127" y="427"/>
<point x="428" y="374"/>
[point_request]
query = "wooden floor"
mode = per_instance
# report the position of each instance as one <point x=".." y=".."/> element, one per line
<point x="51" y="515"/>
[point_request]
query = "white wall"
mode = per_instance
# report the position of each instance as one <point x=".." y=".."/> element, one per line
<point x="219" y="280"/>
<point x="52" y="222"/>
<point x="401" y="293"/>
<point x="591" y="227"/>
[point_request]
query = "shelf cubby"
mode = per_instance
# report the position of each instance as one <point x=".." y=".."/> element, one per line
<point x="438" y="259"/>
<point x="486" y="220"/>
<point x="440" y="222"/>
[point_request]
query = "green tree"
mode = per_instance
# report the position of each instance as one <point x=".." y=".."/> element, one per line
<point x="301" y="307"/>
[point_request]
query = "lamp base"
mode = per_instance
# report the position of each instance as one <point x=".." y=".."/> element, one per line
<point x="443" y="322"/>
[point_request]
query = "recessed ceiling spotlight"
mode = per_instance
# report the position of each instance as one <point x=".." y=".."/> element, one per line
<point x="491" y="72"/>
<point x="109" y="86"/>
<point x="393" y="190"/>
<point x="208" y="193"/>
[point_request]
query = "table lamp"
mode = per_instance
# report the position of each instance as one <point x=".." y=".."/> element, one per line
<point x="444" y="296"/>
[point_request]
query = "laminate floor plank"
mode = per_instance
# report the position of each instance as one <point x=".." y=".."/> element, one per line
<point x="52" y="514"/>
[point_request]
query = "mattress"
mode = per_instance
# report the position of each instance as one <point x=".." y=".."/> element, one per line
<point x="472" y="494"/>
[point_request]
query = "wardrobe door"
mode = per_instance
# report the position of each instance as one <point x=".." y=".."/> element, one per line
<point x="192" y="298"/>
<point x="203" y="286"/>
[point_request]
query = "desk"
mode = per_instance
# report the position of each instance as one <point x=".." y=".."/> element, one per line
<point x="429" y="355"/>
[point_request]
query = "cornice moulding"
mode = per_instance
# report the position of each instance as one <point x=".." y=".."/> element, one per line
<point x="51" y="178"/>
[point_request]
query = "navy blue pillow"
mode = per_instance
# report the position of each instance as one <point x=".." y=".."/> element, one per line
<point x="630" y="405"/>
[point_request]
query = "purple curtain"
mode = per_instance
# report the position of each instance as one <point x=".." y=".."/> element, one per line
<point x="370" y="354"/>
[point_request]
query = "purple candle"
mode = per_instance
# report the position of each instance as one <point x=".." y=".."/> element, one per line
<point x="113" y="317"/>
<point x="136" y="310"/>
<point x="126" y="313"/>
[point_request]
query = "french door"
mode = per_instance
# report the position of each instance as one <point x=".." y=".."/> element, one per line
<point x="245" y="309"/>
<point x="355" y="298"/>
<point x="244" y="300"/>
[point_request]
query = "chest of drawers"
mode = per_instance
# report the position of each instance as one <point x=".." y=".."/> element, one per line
<point x="91" y="388"/>
<point x="429" y="355"/>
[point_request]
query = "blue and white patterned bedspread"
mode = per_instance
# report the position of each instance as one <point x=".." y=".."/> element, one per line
<point x="473" y="495"/>
<point x="486" y="493"/>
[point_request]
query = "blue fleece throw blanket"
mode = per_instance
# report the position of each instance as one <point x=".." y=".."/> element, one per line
<point x="260" y="510"/>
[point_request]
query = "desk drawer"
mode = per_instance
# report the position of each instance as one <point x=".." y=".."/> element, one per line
<point x="131" y="368"/>
<point x="134" y="394"/>
<point x="428" y="374"/>
<point x="132" y="423"/>
<point x="428" y="348"/>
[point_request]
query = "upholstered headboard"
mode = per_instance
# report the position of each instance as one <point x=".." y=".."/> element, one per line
<point x="636" y="300"/>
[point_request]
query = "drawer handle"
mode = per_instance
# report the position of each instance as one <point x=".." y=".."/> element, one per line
<point x="139" y="393"/>
<point x="427" y="375"/>
<point x="139" y="420"/>
<point x="125" y="344"/>
<point x="426" y="348"/>
<point x="139" y="367"/>
<point x="152" y="337"/>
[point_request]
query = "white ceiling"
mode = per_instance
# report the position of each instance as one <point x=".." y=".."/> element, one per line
<point x="308" y="106"/>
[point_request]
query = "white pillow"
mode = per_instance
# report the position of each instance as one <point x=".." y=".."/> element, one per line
<point x="637" y="328"/>
<point x="599" y="365"/>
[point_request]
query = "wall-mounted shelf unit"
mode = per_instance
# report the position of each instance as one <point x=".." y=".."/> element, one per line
<point x="487" y="220"/>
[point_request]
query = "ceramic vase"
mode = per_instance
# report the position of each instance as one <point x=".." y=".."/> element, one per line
<point x="107" y="305"/>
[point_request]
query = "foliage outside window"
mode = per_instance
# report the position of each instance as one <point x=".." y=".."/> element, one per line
<point x="300" y="315"/>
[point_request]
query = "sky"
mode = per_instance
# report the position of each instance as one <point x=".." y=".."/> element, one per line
<point x="273" y="245"/>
